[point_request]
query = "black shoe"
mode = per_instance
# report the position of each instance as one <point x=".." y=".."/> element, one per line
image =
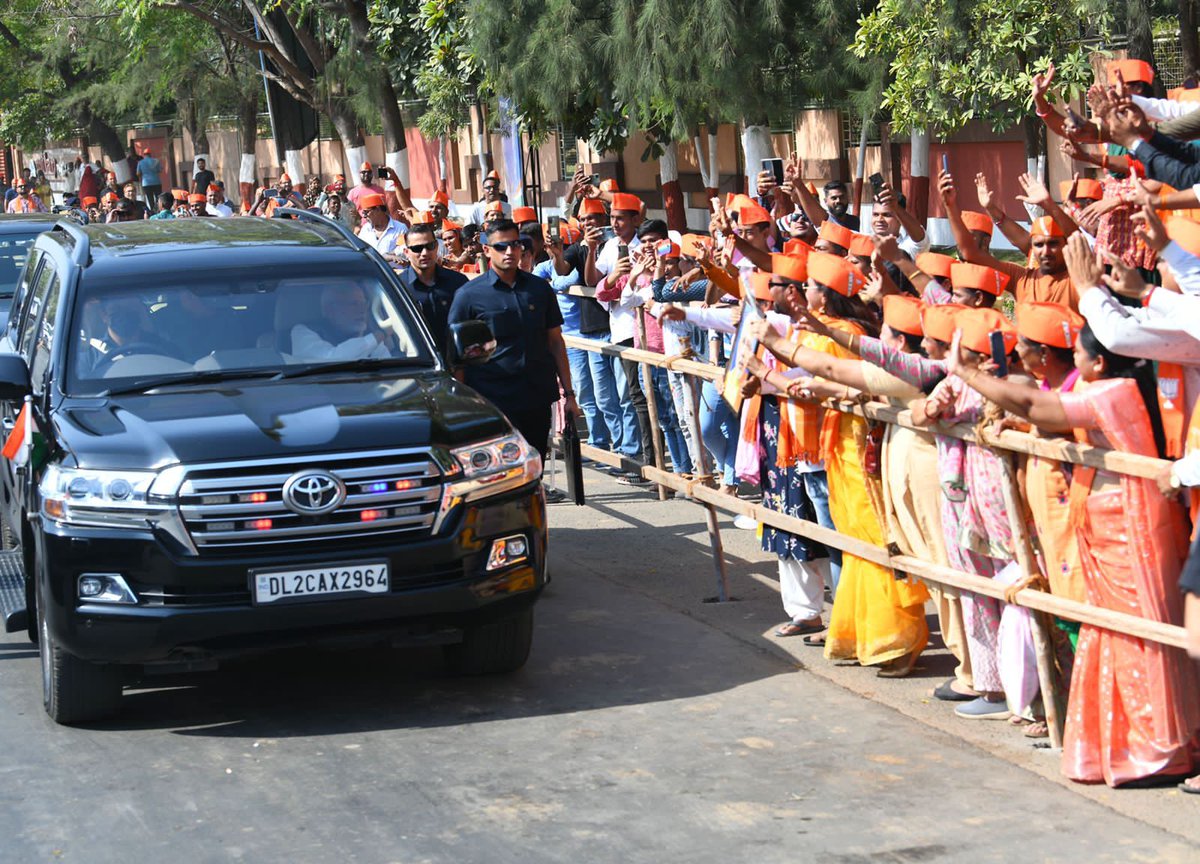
<point x="553" y="496"/>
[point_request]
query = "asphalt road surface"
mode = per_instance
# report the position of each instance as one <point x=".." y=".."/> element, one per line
<point x="639" y="732"/>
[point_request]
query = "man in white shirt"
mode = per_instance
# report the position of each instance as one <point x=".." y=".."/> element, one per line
<point x="343" y="331"/>
<point x="216" y="202"/>
<point x="379" y="228"/>
<point x="490" y="200"/>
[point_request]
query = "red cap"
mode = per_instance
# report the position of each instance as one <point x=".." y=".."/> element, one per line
<point x="521" y="215"/>
<point x="1086" y="187"/>
<point x="440" y="197"/>
<point x="760" y="285"/>
<point x="493" y="175"/>
<point x="1131" y="70"/>
<point x="609" y="185"/>
<point x="371" y="199"/>
<point x="753" y="214"/>
<point x="796" y="246"/>
<point x="366" y="166"/>
<point x="197" y="198"/>
<point x="625" y="202"/>
<point x="423" y="218"/>
<point x="591" y="207"/>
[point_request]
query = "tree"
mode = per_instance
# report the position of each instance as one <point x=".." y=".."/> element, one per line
<point x="954" y="61"/>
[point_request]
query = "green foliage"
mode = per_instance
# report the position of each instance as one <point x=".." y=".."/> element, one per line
<point x="953" y="61"/>
<point x="449" y="79"/>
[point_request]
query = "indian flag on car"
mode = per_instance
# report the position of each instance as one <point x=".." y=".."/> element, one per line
<point x="24" y="439"/>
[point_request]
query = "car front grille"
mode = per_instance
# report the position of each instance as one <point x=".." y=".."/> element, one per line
<point x="239" y="506"/>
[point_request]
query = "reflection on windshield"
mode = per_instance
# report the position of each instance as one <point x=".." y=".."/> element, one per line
<point x="260" y="325"/>
<point x="13" y="250"/>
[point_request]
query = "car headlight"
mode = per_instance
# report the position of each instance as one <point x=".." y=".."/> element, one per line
<point x="491" y="467"/>
<point x="121" y="499"/>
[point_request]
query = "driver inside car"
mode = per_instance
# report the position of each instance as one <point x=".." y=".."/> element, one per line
<point x="128" y="331"/>
<point x="343" y="332"/>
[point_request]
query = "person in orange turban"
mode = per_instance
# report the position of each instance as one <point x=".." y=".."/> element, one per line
<point x="975" y="284"/>
<point x="981" y="225"/>
<point x="1138" y="76"/>
<point x="834" y="238"/>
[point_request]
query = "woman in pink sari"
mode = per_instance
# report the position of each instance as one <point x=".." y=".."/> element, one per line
<point x="1134" y="704"/>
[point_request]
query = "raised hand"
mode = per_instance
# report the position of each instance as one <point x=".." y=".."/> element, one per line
<point x="987" y="198"/>
<point x="1121" y="278"/>
<point x="806" y="320"/>
<point x="946" y="189"/>
<point x="1036" y="192"/>
<point x="1084" y="269"/>
<point x="1151" y="229"/>
<point x="1040" y="83"/>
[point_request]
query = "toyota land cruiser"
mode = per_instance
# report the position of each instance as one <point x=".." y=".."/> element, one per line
<point x="230" y="435"/>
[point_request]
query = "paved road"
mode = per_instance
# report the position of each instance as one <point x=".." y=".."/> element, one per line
<point x="637" y="733"/>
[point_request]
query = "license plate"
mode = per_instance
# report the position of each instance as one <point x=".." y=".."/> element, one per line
<point x="319" y="583"/>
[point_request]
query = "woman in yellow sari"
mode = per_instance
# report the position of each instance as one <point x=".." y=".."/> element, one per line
<point x="877" y="619"/>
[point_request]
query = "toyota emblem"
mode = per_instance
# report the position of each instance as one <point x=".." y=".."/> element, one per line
<point x="311" y="493"/>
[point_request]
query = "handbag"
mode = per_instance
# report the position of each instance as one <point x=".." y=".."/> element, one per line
<point x="572" y="460"/>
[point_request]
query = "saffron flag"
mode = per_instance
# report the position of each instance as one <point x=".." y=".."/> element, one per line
<point x="20" y="440"/>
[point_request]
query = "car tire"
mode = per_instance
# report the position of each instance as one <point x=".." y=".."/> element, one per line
<point x="495" y="648"/>
<point x="73" y="690"/>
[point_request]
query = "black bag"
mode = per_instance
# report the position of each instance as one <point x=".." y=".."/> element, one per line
<point x="572" y="460"/>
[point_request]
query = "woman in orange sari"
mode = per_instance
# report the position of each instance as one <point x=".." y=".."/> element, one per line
<point x="877" y="619"/>
<point x="1134" y="704"/>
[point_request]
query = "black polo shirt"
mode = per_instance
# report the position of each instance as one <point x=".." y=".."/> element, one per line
<point x="434" y="301"/>
<point x="593" y="318"/>
<point x="521" y="375"/>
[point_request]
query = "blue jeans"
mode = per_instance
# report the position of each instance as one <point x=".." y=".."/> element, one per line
<point x="816" y="485"/>
<point x="681" y="460"/>
<point x="585" y="395"/>
<point x="630" y="442"/>
<point x="719" y="431"/>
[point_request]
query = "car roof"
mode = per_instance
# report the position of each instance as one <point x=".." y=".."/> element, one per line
<point x="200" y="244"/>
<point x="24" y="223"/>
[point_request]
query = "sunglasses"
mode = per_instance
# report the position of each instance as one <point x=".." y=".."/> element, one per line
<point x="490" y="187"/>
<point x="505" y="245"/>
<point x="422" y="247"/>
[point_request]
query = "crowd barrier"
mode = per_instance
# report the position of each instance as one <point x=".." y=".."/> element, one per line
<point x="1041" y="603"/>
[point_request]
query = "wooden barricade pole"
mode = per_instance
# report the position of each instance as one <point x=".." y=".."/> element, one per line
<point x="651" y="403"/>
<point x="691" y="401"/>
<point x="1047" y="676"/>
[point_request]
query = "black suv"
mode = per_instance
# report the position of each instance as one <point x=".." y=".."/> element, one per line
<point x="17" y="233"/>
<point x="240" y="436"/>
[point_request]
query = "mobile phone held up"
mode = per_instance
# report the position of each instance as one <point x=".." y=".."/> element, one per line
<point x="775" y="166"/>
<point x="663" y="249"/>
<point x="876" y="181"/>
<point x="622" y="251"/>
<point x="945" y="163"/>
<point x="554" y="223"/>
<point x="999" y="355"/>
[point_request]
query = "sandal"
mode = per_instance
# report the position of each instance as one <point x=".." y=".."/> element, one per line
<point x="946" y="692"/>
<point x="1039" y="729"/>
<point x="816" y="640"/>
<point x="901" y="667"/>
<point x="1190" y="788"/>
<point x="791" y="628"/>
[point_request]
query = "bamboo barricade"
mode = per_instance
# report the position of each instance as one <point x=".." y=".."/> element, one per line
<point x="1040" y="601"/>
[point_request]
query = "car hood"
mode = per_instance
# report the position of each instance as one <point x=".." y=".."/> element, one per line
<point x="271" y="419"/>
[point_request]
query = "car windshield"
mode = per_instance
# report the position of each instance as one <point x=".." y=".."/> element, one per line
<point x="228" y="325"/>
<point x="13" y="250"/>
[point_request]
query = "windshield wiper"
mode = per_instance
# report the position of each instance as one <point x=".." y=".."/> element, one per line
<point x="208" y="376"/>
<point x="352" y="365"/>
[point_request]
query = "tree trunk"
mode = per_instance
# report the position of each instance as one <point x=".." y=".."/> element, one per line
<point x="668" y="172"/>
<point x="757" y="146"/>
<point x="1189" y="39"/>
<point x="248" y="132"/>
<point x="1141" y="38"/>
<point x="106" y="136"/>
<point x="860" y="167"/>
<point x="353" y="146"/>
<point x="918" y="191"/>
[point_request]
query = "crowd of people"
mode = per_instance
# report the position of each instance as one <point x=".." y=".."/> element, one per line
<point x="1087" y="337"/>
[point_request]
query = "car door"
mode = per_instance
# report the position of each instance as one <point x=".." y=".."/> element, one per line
<point x="8" y="340"/>
<point x="31" y="343"/>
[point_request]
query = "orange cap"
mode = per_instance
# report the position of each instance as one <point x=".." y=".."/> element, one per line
<point x="1184" y="94"/>
<point x="213" y="187"/>
<point x="521" y="215"/>
<point x="1044" y="226"/>
<point x="113" y="196"/>
<point x="568" y="233"/>
<point x="831" y="232"/>
<point x="423" y="218"/>
<point x="1185" y="232"/>
<point x="494" y="207"/>
<point x="798" y="247"/>
<point x="790" y="267"/>
<point x="935" y="264"/>
<point x="1049" y="324"/>
<point x="977" y="326"/>
<point x="1131" y="70"/>
<point x="440" y="197"/>
<point x="177" y="194"/>
<point x="862" y="246"/>
<point x="609" y="185"/>
<point x="371" y="199"/>
<point x="493" y="175"/>
<point x="737" y="201"/>
<point x="285" y="177"/>
<point x="1086" y="187"/>
<point x="197" y="198"/>
<point x="836" y="273"/>
<point x="903" y="313"/>
<point x="692" y="245"/>
<point x="753" y="214"/>
<point x="760" y="285"/>
<point x="450" y="225"/>
<point x="938" y="321"/>
<point x="591" y="207"/>
<point x="978" y="222"/>
<point x="366" y="166"/>
<point x="89" y="201"/>
<point x="979" y="277"/>
<point x="625" y="202"/>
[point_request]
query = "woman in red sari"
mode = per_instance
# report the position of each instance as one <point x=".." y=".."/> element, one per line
<point x="1134" y="704"/>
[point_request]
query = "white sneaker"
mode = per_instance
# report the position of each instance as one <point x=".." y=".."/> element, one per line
<point x="745" y="522"/>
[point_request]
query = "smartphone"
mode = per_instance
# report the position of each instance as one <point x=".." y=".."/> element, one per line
<point x="876" y="181"/>
<point x="999" y="355"/>
<point x="381" y="172"/>
<point x="1073" y="116"/>
<point x="622" y="251"/>
<point x="945" y="163"/>
<point x="775" y="166"/>
<point x="664" y="248"/>
<point x="609" y="233"/>
<point x="595" y="180"/>
<point x="270" y="193"/>
<point x="554" y="223"/>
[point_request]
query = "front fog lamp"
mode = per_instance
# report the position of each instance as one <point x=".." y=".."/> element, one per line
<point x="105" y="588"/>
<point x="507" y="551"/>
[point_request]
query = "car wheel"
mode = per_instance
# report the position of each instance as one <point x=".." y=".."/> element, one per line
<point x="74" y="690"/>
<point x="494" y="648"/>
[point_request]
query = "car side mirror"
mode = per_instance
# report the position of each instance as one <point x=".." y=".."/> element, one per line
<point x="14" y="378"/>
<point x="471" y="343"/>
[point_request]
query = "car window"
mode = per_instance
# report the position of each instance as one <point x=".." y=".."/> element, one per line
<point x="34" y="310"/>
<point x="43" y="330"/>
<point x="236" y="322"/>
<point x="13" y="250"/>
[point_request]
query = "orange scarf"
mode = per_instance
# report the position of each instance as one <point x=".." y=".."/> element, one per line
<point x="831" y="422"/>
<point x="799" y="422"/>
<point x="1191" y="444"/>
<point x="1170" y="405"/>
